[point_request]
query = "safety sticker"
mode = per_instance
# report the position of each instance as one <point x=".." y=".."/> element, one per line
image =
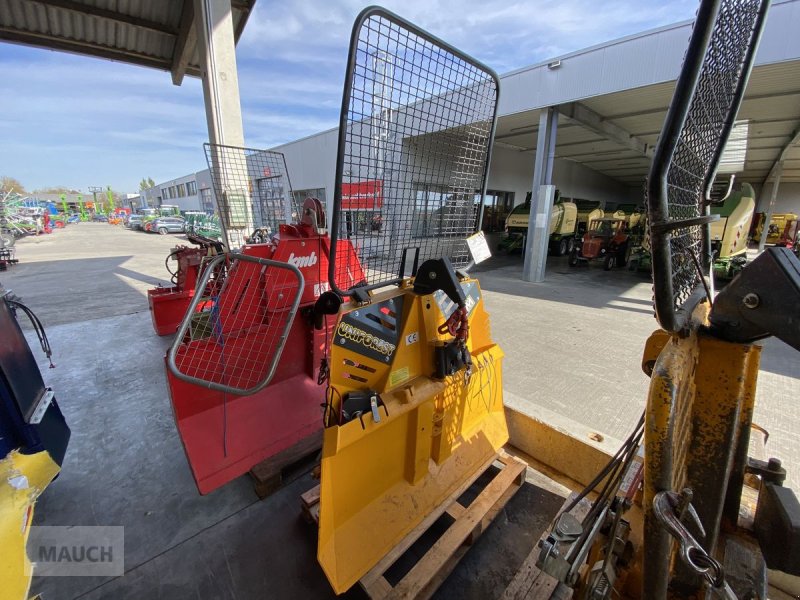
<point x="398" y="376"/>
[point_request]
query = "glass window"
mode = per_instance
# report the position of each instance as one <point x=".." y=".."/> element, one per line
<point x="208" y="201"/>
<point x="191" y="188"/>
<point x="496" y="208"/>
<point x="181" y="190"/>
<point x="172" y="192"/>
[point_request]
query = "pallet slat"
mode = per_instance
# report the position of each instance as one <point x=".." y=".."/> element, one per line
<point x="439" y="561"/>
<point x="434" y="567"/>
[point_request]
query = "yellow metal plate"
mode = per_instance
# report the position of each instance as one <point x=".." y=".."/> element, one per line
<point x="380" y="480"/>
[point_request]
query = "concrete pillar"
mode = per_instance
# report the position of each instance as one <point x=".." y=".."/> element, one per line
<point x="768" y="216"/>
<point x="541" y="197"/>
<point x="217" y="46"/>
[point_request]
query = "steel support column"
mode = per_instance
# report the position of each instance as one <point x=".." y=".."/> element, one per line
<point x="217" y="45"/>
<point x="776" y="181"/>
<point x="541" y="201"/>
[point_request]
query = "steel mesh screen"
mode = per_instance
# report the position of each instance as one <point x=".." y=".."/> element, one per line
<point x="234" y="331"/>
<point x="696" y="154"/>
<point x="415" y="134"/>
<point x="252" y="188"/>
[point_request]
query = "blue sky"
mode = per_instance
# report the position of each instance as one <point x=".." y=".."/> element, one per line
<point x="77" y="122"/>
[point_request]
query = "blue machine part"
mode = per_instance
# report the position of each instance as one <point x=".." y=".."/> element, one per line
<point x="22" y="391"/>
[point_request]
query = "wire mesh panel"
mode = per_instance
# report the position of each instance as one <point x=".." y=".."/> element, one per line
<point x="414" y="143"/>
<point x="234" y="331"/>
<point x="252" y="188"/>
<point x="706" y="99"/>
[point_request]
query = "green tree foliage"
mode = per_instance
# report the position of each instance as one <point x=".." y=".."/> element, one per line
<point x="146" y="184"/>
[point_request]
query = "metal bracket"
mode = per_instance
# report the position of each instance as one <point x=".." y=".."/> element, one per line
<point x="770" y="471"/>
<point x="763" y="300"/>
<point x="41" y="406"/>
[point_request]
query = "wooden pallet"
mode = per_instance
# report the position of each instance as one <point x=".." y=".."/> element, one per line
<point x="531" y="583"/>
<point x="271" y="474"/>
<point x="439" y="561"/>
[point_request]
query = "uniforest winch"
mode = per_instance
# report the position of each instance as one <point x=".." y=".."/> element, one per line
<point x="415" y="398"/>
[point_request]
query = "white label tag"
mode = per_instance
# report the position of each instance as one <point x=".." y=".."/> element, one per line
<point x="412" y="338"/>
<point x="478" y="247"/>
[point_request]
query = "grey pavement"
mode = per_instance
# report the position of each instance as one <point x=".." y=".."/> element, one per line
<point x="573" y="346"/>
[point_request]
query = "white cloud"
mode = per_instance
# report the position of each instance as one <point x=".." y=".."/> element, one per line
<point x="69" y="120"/>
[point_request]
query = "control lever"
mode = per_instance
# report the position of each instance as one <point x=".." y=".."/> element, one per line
<point x="357" y="403"/>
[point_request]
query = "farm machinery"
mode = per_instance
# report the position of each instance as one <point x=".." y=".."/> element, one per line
<point x="728" y="234"/>
<point x="607" y="239"/>
<point x="33" y="441"/>
<point x="782" y="230"/>
<point x="244" y="369"/>
<point x="400" y="355"/>
<point x="563" y="223"/>
<point x="168" y="304"/>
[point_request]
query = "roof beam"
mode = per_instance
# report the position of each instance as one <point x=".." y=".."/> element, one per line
<point x="41" y="40"/>
<point x="597" y="123"/>
<point x="778" y="164"/>
<point x="187" y="38"/>
<point x="111" y="15"/>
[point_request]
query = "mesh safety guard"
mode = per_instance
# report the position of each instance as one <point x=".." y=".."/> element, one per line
<point x="252" y="188"/>
<point x="706" y="99"/>
<point x="415" y="134"/>
<point x="234" y="331"/>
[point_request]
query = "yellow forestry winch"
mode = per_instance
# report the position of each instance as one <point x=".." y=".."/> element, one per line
<point x="422" y="428"/>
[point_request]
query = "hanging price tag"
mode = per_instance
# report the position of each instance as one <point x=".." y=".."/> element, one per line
<point x="478" y="247"/>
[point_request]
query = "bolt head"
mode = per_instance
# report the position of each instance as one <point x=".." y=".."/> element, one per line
<point x="751" y="300"/>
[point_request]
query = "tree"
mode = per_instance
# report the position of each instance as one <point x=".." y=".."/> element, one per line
<point x="9" y="184"/>
<point x="146" y="184"/>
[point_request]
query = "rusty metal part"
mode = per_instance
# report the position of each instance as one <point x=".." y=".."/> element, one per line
<point x="697" y="425"/>
<point x="667" y="507"/>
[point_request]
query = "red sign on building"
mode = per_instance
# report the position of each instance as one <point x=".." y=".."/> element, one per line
<point x="362" y="195"/>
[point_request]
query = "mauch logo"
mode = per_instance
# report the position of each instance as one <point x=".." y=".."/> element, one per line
<point x="303" y="261"/>
<point x="76" y="551"/>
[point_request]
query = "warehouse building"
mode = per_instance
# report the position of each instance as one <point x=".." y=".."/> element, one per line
<point x="604" y="107"/>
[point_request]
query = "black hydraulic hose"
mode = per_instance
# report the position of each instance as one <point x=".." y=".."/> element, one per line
<point x="173" y="275"/>
<point x="37" y="327"/>
<point x="614" y="461"/>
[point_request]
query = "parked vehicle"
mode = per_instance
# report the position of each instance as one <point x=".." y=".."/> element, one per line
<point x="134" y="222"/>
<point x="165" y="225"/>
<point x="563" y="220"/>
<point x="606" y="238"/>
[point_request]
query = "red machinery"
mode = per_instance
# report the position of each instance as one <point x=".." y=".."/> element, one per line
<point x="244" y="370"/>
<point x="168" y="304"/>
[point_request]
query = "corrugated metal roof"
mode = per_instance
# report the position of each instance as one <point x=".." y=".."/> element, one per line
<point x="151" y="33"/>
<point x="771" y="106"/>
<point x="629" y="83"/>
